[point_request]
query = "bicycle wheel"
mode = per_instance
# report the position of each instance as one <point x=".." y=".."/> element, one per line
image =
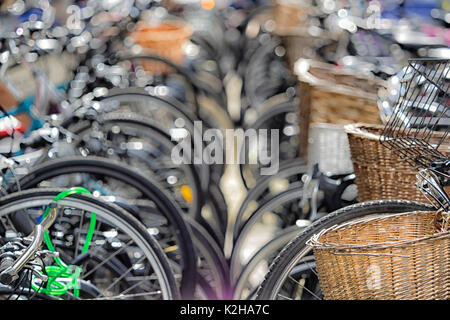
<point x="198" y="92"/>
<point x="212" y="267"/>
<point x="275" y="214"/>
<point x="253" y="273"/>
<point x="141" y="143"/>
<point x="217" y="219"/>
<point x="134" y="191"/>
<point x="266" y="74"/>
<point x="168" y="112"/>
<point x="267" y="187"/>
<point x="292" y="275"/>
<point x="123" y="260"/>
<point x="281" y="117"/>
<point x="171" y="114"/>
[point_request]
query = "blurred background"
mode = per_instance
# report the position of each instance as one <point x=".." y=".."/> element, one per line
<point x="230" y="64"/>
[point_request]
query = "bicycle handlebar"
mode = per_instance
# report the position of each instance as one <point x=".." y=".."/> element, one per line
<point x="9" y="269"/>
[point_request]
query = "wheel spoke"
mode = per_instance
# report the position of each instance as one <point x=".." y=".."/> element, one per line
<point x="304" y="287"/>
<point x="124" y="274"/>
<point x="284" y="297"/>
<point x="106" y="260"/>
<point x="141" y="294"/>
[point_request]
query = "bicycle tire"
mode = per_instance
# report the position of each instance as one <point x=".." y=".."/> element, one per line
<point x="247" y="172"/>
<point x="161" y="136"/>
<point x="36" y="197"/>
<point x="208" y="250"/>
<point x="176" y="108"/>
<point x="269" y="249"/>
<point x="292" y="194"/>
<point x="290" y="168"/>
<point x="150" y="189"/>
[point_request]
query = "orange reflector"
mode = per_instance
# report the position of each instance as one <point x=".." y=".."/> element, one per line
<point x="186" y="191"/>
<point x="170" y="249"/>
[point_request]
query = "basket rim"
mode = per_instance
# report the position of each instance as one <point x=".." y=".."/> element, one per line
<point x="325" y="125"/>
<point x="357" y="130"/>
<point x="303" y="65"/>
<point x="315" y="242"/>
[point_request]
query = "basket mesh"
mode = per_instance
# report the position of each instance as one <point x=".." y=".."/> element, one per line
<point x="421" y="110"/>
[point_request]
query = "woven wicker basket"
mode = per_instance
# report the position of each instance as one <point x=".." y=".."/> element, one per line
<point x="380" y="174"/>
<point x="165" y="40"/>
<point x="289" y="15"/>
<point x="395" y="256"/>
<point x="299" y="37"/>
<point x="328" y="94"/>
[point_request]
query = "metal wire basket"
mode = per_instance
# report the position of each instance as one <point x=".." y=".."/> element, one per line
<point x="422" y="109"/>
